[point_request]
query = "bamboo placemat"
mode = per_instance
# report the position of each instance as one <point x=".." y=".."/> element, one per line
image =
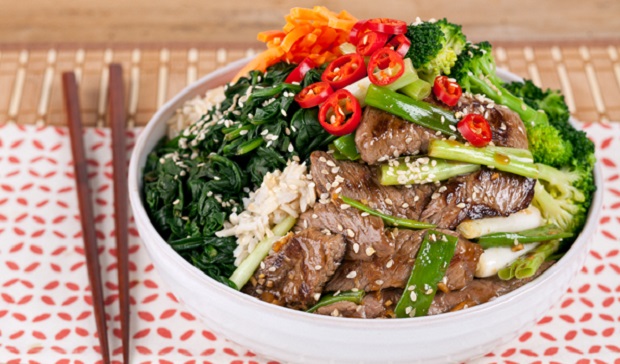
<point x="30" y="92"/>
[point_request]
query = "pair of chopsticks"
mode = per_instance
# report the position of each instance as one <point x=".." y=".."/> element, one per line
<point x="116" y="119"/>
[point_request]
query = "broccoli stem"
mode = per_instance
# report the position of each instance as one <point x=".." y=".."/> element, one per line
<point x="527" y="265"/>
<point x="244" y="271"/>
<point x="406" y="171"/>
<point x="503" y="159"/>
<point x="390" y="220"/>
<point x="429" y="268"/>
<point x="418" y="112"/>
<point x="351" y="296"/>
<point x="541" y="233"/>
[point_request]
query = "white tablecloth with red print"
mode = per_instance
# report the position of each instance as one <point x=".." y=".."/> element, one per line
<point x="45" y="304"/>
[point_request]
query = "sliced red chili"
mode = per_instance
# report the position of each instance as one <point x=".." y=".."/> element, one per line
<point x="447" y="91"/>
<point x="297" y="75"/>
<point x="385" y="66"/>
<point x="313" y="95"/>
<point x="341" y="113"/>
<point x="387" y="26"/>
<point x="357" y="30"/>
<point x="400" y="44"/>
<point x="475" y="129"/>
<point x="369" y="42"/>
<point x="344" y="70"/>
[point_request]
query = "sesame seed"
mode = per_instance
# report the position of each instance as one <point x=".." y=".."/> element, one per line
<point x="335" y="170"/>
<point x="428" y="291"/>
<point x="356" y="247"/>
<point x="352" y="274"/>
<point x="435" y="196"/>
<point x="408" y="310"/>
<point x="317" y="267"/>
<point x="390" y="263"/>
<point x="405" y="205"/>
<point x="315" y="216"/>
<point x="364" y="214"/>
<point x="324" y="171"/>
<point x="370" y="251"/>
<point x="317" y="296"/>
<point x="176" y="202"/>
<point x="344" y="206"/>
<point x="272" y="269"/>
<point x="340" y="228"/>
<point x="378" y="282"/>
<point x="322" y="159"/>
<point x="388" y="201"/>
<point x="413" y="296"/>
<point x="416" y="198"/>
<point x="461" y="205"/>
<point x="331" y="164"/>
<point x="350" y="233"/>
<point x="290" y="148"/>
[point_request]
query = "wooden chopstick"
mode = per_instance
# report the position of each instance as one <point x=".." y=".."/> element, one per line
<point x="74" y="120"/>
<point x="117" y="121"/>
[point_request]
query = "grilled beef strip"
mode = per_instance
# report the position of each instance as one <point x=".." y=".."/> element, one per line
<point x="477" y="195"/>
<point x="381" y="135"/>
<point x="294" y="274"/>
<point x="363" y="234"/>
<point x="359" y="182"/>
<point x="479" y="291"/>
<point x="394" y="271"/>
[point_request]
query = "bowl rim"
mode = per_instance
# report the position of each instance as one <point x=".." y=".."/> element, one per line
<point x="139" y="212"/>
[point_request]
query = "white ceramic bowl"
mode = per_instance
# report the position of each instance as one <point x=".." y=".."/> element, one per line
<point x="293" y="336"/>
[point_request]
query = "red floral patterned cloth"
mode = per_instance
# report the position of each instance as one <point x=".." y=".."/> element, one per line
<point x="45" y="303"/>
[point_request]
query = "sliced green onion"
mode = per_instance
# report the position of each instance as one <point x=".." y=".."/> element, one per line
<point x="416" y="111"/>
<point x="346" y="146"/>
<point x="417" y="90"/>
<point x="249" y="146"/>
<point x="351" y="296"/>
<point x="388" y="219"/>
<point x="542" y="233"/>
<point x="527" y="265"/>
<point x="244" y="271"/>
<point x="453" y="150"/>
<point x="428" y="270"/>
<point x="410" y="170"/>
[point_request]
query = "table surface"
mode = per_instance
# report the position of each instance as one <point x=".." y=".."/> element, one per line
<point x="237" y="22"/>
<point x="576" y="50"/>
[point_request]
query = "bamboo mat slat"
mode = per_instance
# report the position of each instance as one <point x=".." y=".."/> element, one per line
<point x="30" y="88"/>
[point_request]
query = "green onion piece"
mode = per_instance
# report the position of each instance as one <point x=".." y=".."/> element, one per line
<point x="541" y="233"/>
<point x="388" y="219"/>
<point x="346" y="146"/>
<point x="429" y="269"/>
<point x="453" y="150"/>
<point x="419" y="112"/>
<point x="409" y="76"/>
<point x="249" y="146"/>
<point x="351" y="296"/>
<point x="417" y="90"/>
<point x="187" y="243"/>
<point x="244" y="271"/>
<point x="336" y="153"/>
<point x="409" y="171"/>
<point x="528" y="264"/>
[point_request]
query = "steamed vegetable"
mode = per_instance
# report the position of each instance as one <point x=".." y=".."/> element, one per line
<point x="351" y="296"/>
<point x="488" y="156"/>
<point x="429" y="268"/>
<point x="388" y="219"/>
<point x="435" y="47"/>
<point x="244" y="271"/>
<point x="417" y="90"/>
<point x="566" y="201"/>
<point x="193" y="182"/>
<point x="419" y="112"/>
<point x="496" y="258"/>
<point x="475" y="72"/>
<point x="535" y="235"/>
<point x="528" y="218"/>
<point x="528" y="264"/>
<point x="359" y="88"/>
<point x="345" y="145"/>
<point x="412" y="170"/>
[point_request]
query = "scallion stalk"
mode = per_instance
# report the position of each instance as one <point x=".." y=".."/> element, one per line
<point x="417" y="90"/>
<point x="244" y="271"/>
<point x="410" y="170"/>
<point x="527" y="265"/>
<point x="351" y="296"/>
<point x="388" y="219"/>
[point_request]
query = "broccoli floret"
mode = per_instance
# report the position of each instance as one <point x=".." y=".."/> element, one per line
<point x="435" y="47"/>
<point x="475" y="72"/>
<point x="564" y="195"/>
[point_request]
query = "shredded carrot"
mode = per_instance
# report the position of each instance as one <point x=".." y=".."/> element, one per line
<point x="314" y="33"/>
